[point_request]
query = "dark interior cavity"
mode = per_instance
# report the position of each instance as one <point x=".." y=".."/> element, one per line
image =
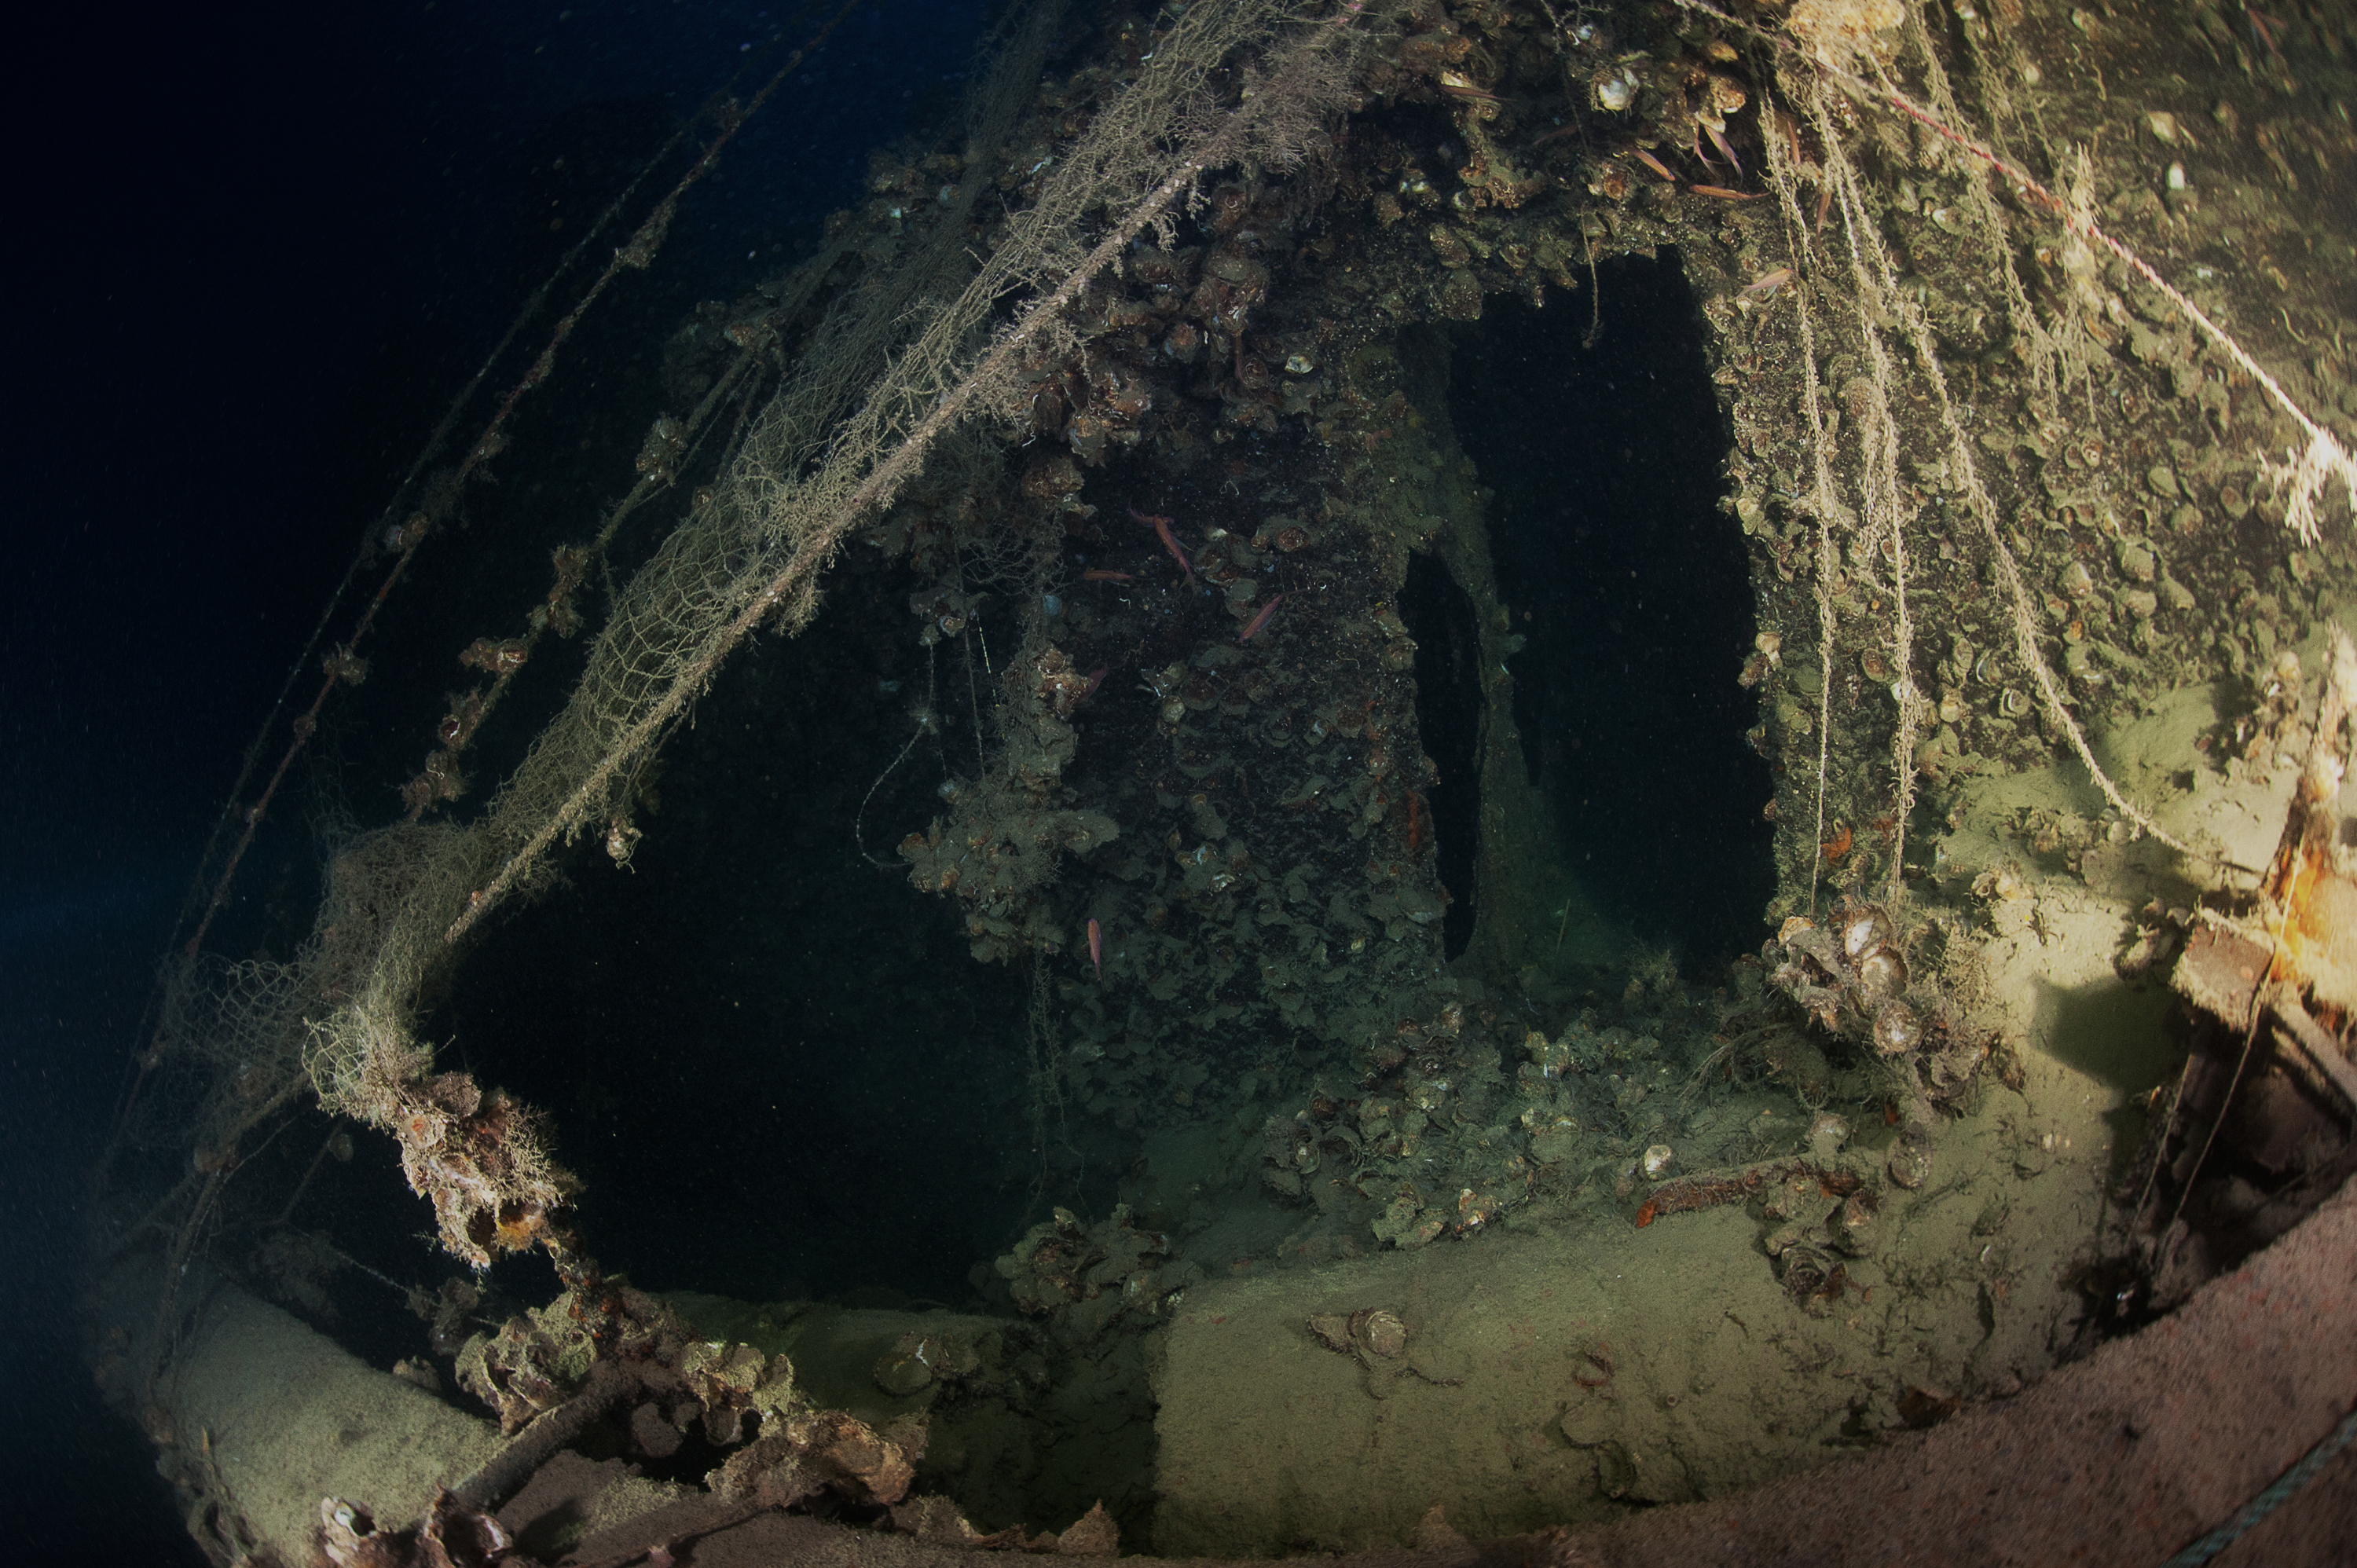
<point x="1448" y="710"/>
<point x="1602" y="440"/>
<point x="774" y="1066"/>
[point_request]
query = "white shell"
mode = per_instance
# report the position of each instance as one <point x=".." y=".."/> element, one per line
<point x="1862" y="929"/>
<point x="1897" y="1030"/>
<point x="1881" y="973"/>
<point x="1660" y="1161"/>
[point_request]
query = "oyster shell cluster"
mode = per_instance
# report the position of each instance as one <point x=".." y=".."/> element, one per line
<point x="1370" y="1332"/>
<point x="1851" y="977"/>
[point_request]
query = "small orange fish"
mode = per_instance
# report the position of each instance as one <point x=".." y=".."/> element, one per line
<point x="1458" y="86"/>
<point x="1170" y="541"/>
<point x="1656" y="164"/>
<point x="1096" y="946"/>
<point x="1723" y="193"/>
<point x="1769" y="282"/>
<point x="1099" y="574"/>
<point x="1253" y="627"/>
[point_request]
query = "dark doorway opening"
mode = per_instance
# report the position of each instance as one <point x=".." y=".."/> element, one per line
<point x="1631" y="586"/>
<point x="1448" y="714"/>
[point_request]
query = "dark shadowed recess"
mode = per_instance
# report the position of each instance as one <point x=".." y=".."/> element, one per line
<point x="1449" y="716"/>
<point x="774" y="1064"/>
<point x="1629" y="582"/>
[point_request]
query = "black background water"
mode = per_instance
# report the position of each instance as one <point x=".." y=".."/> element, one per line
<point x="251" y="252"/>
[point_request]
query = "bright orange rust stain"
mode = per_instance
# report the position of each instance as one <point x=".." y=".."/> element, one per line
<point x="1837" y="846"/>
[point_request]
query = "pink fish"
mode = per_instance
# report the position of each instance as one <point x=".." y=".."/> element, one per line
<point x="1719" y="140"/>
<point x="1656" y="164"/>
<point x="1096" y="946"/>
<point x="1169" y="543"/>
<point x="1253" y="627"/>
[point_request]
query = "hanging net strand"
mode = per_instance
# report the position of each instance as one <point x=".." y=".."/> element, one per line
<point x="627" y="703"/>
<point x="209" y="891"/>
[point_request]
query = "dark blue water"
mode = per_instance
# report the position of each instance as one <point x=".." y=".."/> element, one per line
<point x="253" y="250"/>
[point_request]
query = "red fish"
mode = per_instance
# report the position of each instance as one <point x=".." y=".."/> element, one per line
<point x="1096" y="947"/>
<point x="1253" y="627"/>
<point x="1169" y="543"/>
